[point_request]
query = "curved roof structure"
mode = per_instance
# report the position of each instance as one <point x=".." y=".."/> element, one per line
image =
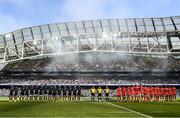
<point x="159" y="36"/>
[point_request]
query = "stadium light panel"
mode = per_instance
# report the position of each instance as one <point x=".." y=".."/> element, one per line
<point x="35" y="42"/>
<point x="115" y="35"/>
<point x="104" y="35"/>
<point x="8" y="35"/>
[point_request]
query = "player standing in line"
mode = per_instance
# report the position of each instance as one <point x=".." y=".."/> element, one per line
<point x="50" y="94"/>
<point x="26" y="93"/>
<point x="36" y="93"/>
<point x="69" y="90"/>
<point x="160" y="94"/>
<point x="119" y="94"/>
<point x="156" y="93"/>
<point x="148" y="93"/>
<point x="132" y="93"/>
<point x="41" y="93"/>
<point x="142" y="93"/>
<point x="45" y="89"/>
<point x="54" y="94"/>
<point x="139" y="93"/>
<point x="174" y="94"/>
<point x="78" y="93"/>
<point x="74" y="93"/>
<point x="107" y="92"/>
<point x="22" y="90"/>
<point x="59" y="94"/>
<point x="151" y="93"/>
<point x="124" y="94"/>
<point x="31" y="92"/>
<point x="16" y="89"/>
<point x="145" y="93"/>
<point x="128" y="94"/>
<point x="166" y="93"/>
<point x="93" y="92"/>
<point x="169" y="93"/>
<point x="99" y="94"/>
<point x="64" y="93"/>
<point x="11" y="93"/>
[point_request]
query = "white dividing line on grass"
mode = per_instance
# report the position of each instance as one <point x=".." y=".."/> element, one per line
<point x="129" y="110"/>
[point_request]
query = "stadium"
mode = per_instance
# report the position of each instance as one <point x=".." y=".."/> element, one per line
<point x="93" y="53"/>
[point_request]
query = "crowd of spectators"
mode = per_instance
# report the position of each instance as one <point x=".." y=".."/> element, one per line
<point x="4" y="92"/>
<point x="85" y="81"/>
<point x="100" y="62"/>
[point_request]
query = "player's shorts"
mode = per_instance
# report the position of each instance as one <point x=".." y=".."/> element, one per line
<point x="74" y="94"/>
<point x="79" y="93"/>
<point x="107" y="94"/>
<point x="118" y="95"/>
<point x="11" y="94"/>
<point x="64" y="94"/>
<point x="15" y="94"/>
<point x="49" y="94"/>
<point x="99" y="94"/>
<point x="92" y="94"/>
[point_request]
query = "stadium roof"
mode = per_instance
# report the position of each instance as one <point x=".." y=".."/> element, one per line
<point x="133" y="35"/>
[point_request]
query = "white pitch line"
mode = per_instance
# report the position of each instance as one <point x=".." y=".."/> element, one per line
<point x="130" y="110"/>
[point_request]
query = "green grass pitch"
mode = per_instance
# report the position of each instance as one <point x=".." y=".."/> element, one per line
<point x="89" y="109"/>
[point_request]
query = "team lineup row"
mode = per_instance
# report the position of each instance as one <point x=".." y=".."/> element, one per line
<point x="73" y="93"/>
<point x="45" y="93"/>
<point x="146" y="93"/>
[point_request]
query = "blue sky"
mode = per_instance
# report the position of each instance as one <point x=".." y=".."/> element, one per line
<point x="15" y="14"/>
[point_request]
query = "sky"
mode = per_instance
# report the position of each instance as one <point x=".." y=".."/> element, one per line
<point x="16" y="14"/>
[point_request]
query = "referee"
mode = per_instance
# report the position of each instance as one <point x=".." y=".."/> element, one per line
<point x="107" y="91"/>
<point x="99" y="94"/>
<point x="93" y="92"/>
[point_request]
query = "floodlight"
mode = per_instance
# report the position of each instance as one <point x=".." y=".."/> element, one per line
<point x="34" y="42"/>
<point x="8" y="35"/>
<point x="115" y="35"/>
<point x="104" y="35"/>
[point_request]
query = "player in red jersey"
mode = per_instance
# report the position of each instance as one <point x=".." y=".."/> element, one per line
<point x="145" y="93"/>
<point x="141" y="91"/>
<point x="162" y="93"/>
<point x="151" y="93"/>
<point x="166" y="93"/>
<point x="132" y="93"/>
<point x="156" y="93"/>
<point x="136" y="92"/>
<point x="170" y="93"/>
<point x="174" y="94"/>
<point x="124" y="93"/>
<point x="128" y="94"/>
<point x="119" y="94"/>
<point x="148" y="93"/>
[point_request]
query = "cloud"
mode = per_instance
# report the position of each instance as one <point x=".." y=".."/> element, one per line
<point x="10" y="23"/>
<point x="93" y="9"/>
